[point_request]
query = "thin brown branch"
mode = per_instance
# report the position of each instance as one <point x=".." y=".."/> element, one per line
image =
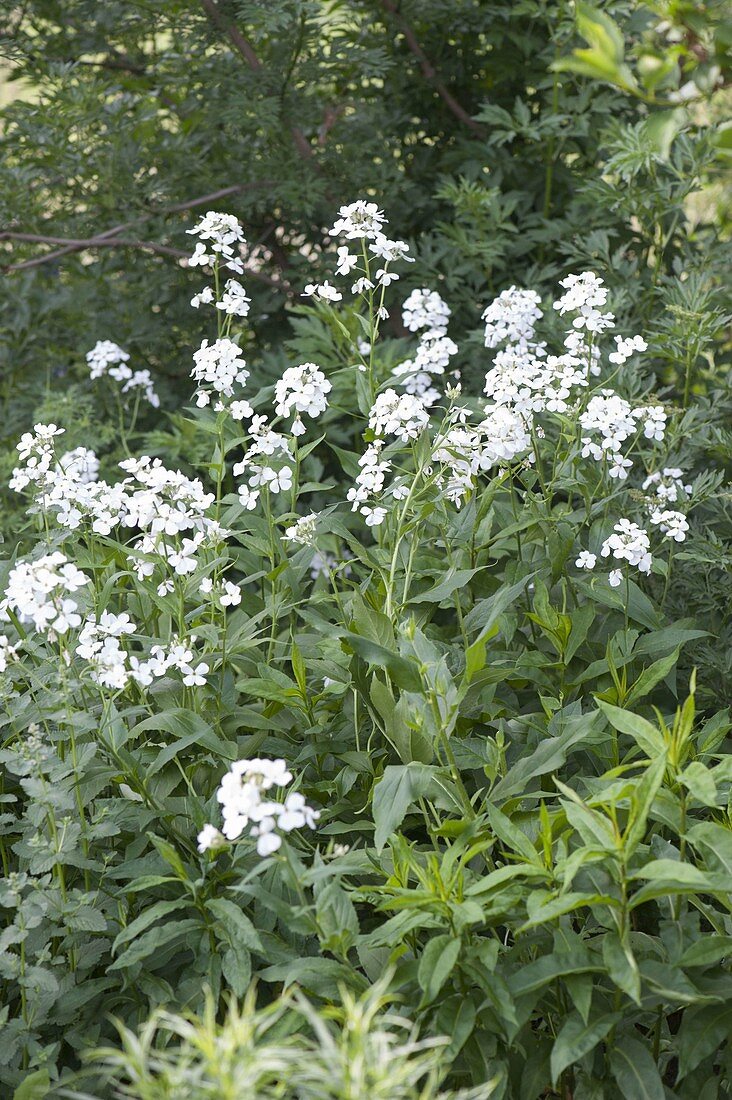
<point x="247" y="51"/>
<point x="104" y="239"/>
<point x="429" y="71"/>
<point x="82" y="245"/>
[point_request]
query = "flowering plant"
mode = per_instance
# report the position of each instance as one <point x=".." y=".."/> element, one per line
<point x="408" y="641"/>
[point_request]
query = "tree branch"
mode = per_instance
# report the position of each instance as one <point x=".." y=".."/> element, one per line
<point x="247" y="51"/>
<point x="429" y="71"/>
<point x="105" y="239"/>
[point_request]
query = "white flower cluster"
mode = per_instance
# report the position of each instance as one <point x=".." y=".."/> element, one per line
<point x="111" y="666"/>
<point x="369" y="483"/>
<point x="80" y="464"/>
<point x="36" y="451"/>
<point x="302" y="389"/>
<point x="103" y="355"/>
<point x="217" y="234"/>
<point x="433" y="355"/>
<point x="303" y="531"/>
<point x="673" y="524"/>
<point x="584" y="295"/>
<point x="511" y="317"/>
<point x="166" y="507"/>
<point x="324" y="291"/>
<point x="267" y="462"/>
<point x="425" y="309"/>
<point x="108" y="359"/>
<point x="630" y="543"/>
<point x="244" y="804"/>
<point x="625" y="348"/>
<point x="363" y="221"/>
<point x="41" y="592"/>
<point x="613" y="419"/>
<point x="218" y="369"/>
<point x="668" y="485"/>
<point x="224" y="594"/>
<point x="402" y="415"/>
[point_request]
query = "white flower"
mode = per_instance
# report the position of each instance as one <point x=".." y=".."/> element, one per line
<point x="669" y="485"/>
<point x="615" y="578"/>
<point x="248" y="498"/>
<point x="586" y="560"/>
<point x="584" y="294"/>
<point x="241" y="410"/>
<point x="374" y="516"/>
<point x="104" y="354"/>
<point x="218" y="369"/>
<point x="302" y="389"/>
<point x="362" y="285"/>
<point x="222" y="231"/>
<point x="626" y="347"/>
<point x="210" y="839"/>
<point x="195" y="677"/>
<point x="303" y="531"/>
<point x="630" y="543"/>
<point x="324" y="291"/>
<point x="204" y="297"/>
<point x="235" y="300"/>
<point x="512" y="317"/>
<point x="425" y="309"/>
<point x="8" y="652"/>
<point x="403" y="415"/>
<point x="346" y="260"/>
<point x="360" y="219"/>
<point x="243" y="805"/>
<point x="40" y="591"/>
<point x="80" y="465"/>
<point x="385" y="278"/>
<point x="673" y="524"/>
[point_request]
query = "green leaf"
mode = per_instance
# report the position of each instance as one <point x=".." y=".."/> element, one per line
<point x="576" y="1039"/>
<point x="641" y="802"/>
<point x="485" y="613"/>
<point x="188" y="729"/>
<point x="145" y="919"/>
<point x="453" y="580"/>
<point x="398" y="788"/>
<point x="621" y="965"/>
<point x="34" y="1087"/>
<point x="646" y="736"/>
<point x="148" y="943"/>
<point x="404" y="673"/>
<point x="702" y="1031"/>
<point x="707" y="951"/>
<point x="239" y="928"/>
<point x="635" y="1071"/>
<point x="548" y="968"/>
<point x="651" y="676"/>
<point x="669" y="876"/>
<point x="236" y="966"/>
<point x="699" y="782"/>
<point x="436" y="964"/>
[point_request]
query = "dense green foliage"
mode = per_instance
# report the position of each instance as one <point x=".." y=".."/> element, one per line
<point x="520" y="882"/>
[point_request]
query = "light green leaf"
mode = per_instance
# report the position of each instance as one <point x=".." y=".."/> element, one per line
<point x="34" y="1087"/>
